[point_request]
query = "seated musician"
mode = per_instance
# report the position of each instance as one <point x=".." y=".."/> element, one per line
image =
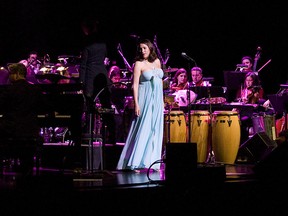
<point x="250" y="93"/>
<point x="197" y="77"/>
<point x="179" y="87"/>
<point x="180" y="80"/>
<point x="115" y="77"/>
<point x="20" y="102"/>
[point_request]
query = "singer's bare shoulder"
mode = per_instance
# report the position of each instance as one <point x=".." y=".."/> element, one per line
<point x="157" y="63"/>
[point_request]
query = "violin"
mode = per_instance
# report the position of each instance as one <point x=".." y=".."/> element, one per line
<point x="181" y="86"/>
<point x="253" y="94"/>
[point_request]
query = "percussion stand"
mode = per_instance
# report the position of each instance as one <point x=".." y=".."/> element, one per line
<point x="188" y="110"/>
<point x="168" y="130"/>
<point x="189" y="101"/>
<point x="210" y="158"/>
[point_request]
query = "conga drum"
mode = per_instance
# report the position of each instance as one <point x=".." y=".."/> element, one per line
<point x="199" y="132"/>
<point x="225" y="136"/>
<point x="175" y="126"/>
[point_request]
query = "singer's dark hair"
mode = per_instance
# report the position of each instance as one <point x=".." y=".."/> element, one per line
<point x="152" y="56"/>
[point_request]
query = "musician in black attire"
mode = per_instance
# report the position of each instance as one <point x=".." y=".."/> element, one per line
<point x="93" y="74"/>
<point x="20" y="102"/>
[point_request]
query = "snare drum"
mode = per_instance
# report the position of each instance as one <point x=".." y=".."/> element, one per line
<point x="225" y="136"/>
<point x="175" y="124"/>
<point x="199" y="132"/>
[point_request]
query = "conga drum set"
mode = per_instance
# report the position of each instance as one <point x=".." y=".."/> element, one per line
<point x="217" y="134"/>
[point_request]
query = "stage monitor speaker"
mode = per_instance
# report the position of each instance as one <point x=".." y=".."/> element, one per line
<point x="269" y="157"/>
<point x="274" y="166"/>
<point x="181" y="162"/>
<point x="257" y="147"/>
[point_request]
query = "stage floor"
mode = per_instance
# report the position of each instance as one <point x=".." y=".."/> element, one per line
<point x="233" y="189"/>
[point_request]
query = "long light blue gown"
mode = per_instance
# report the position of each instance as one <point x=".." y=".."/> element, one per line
<point x="143" y="145"/>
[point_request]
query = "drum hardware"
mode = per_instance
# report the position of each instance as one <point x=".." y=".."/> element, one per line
<point x="61" y="70"/>
<point x="93" y="113"/>
<point x="47" y="68"/>
<point x="66" y="59"/>
<point x="53" y="135"/>
<point x="127" y="75"/>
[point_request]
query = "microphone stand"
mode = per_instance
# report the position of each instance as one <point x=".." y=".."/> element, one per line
<point x="188" y="110"/>
<point x="98" y="137"/>
<point x="189" y="101"/>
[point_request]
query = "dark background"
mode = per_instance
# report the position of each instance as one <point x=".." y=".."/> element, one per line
<point x="216" y="34"/>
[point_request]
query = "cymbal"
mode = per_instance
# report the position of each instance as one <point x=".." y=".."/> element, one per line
<point x="48" y="64"/>
<point x="170" y="70"/>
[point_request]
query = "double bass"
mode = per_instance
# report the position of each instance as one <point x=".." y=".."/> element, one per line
<point x="257" y="57"/>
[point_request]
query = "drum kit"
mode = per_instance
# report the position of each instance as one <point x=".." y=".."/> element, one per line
<point x="65" y="71"/>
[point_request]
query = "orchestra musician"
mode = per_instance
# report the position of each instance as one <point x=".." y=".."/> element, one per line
<point x="247" y="61"/>
<point x="33" y="65"/>
<point x="179" y="87"/>
<point x="251" y="92"/>
<point x="180" y="80"/>
<point x="20" y="104"/>
<point x="197" y="77"/>
<point x="114" y="74"/>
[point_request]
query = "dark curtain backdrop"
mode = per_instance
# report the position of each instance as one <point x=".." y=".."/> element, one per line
<point x="214" y="33"/>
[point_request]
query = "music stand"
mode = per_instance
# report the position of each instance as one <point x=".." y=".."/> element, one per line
<point x="233" y="81"/>
<point x="207" y="91"/>
<point x="280" y="104"/>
